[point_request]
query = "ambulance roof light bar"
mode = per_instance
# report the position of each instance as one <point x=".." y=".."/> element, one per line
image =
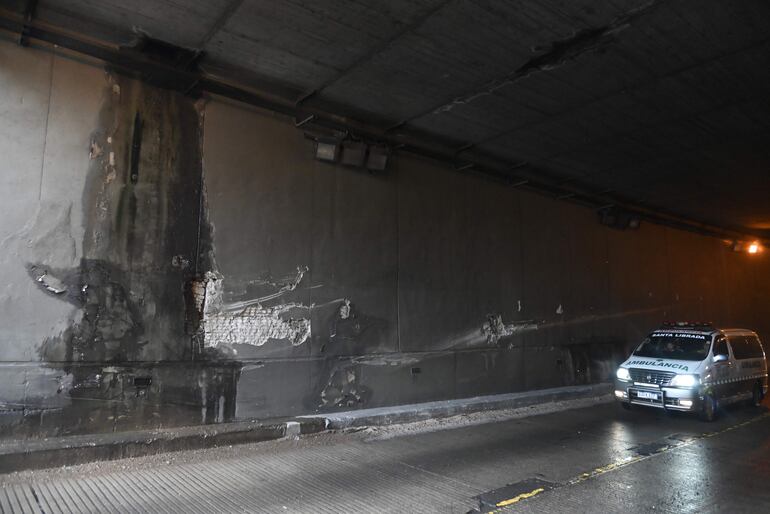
<point x="688" y="324"/>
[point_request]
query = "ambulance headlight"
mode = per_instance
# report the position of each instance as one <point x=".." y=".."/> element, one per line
<point x="622" y="374"/>
<point x="685" y="380"/>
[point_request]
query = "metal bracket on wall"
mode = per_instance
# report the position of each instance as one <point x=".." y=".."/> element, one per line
<point x="298" y="123"/>
<point x="136" y="147"/>
<point x="28" y="13"/>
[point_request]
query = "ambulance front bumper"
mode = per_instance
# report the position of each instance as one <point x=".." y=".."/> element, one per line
<point x="651" y="395"/>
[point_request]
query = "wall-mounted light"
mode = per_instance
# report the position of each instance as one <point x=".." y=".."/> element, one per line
<point x="377" y="159"/>
<point x="327" y="149"/>
<point x="753" y="248"/>
<point x="353" y="153"/>
<point x="341" y="148"/>
<point x="620" y="219"/>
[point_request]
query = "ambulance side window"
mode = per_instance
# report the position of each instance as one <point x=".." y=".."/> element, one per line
<point x="720" y="347"/>
<point x="741" y="348"/>
<point x="755" y="349"/>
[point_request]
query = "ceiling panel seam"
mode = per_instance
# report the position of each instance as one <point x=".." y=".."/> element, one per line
<point x="220" y="22"/>
<point x="371" y="54"/>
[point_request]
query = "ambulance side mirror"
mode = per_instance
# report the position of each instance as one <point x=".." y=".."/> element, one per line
<point x="720" y="358"/>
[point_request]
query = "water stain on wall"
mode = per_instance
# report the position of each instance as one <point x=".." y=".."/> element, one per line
<point x="130" y="352"/>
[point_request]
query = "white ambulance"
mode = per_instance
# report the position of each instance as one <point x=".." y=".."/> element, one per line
<point x="693" y="367"/>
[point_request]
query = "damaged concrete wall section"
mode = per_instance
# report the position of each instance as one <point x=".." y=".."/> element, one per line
<point x="102" y="215"/>
<point x="169" y="262"/>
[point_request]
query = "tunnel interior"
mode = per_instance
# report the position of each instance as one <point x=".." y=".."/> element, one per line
<point x="246" y="209"/>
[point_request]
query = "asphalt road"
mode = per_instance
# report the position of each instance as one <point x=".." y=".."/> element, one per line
<point x="595" y="459"/>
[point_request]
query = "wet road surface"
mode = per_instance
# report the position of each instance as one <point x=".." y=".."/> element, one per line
<point x="595" y="459"/>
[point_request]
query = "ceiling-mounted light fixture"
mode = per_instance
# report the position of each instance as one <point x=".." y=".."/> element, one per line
<point x="754" y="247"/>
<point x="377" y="160"/>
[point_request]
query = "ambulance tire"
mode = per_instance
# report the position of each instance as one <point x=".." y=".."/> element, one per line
<point x="756" y="395"/>
<point x="709" y="408"/>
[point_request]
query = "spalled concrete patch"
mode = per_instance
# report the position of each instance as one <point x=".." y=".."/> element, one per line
<point x="256" y="325"/>
<point x="249" y="321"/>
<point x="494" y="329"/>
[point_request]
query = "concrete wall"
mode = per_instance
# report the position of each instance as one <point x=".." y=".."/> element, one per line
<point x="133" y="297"/>
<point x="455" y="286"/>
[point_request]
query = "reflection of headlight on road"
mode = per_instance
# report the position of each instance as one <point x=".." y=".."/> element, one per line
<point x="622" y="374"/>
<point x="685" y="380"/>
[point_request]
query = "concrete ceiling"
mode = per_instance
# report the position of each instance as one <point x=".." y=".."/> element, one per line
<point x="664" y="102"/>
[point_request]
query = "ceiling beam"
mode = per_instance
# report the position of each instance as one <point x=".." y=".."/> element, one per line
<point x="515" y="174"/>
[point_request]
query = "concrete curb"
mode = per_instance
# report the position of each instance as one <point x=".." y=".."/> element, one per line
<point x="22" y="454"/>
<point x="443" y="409"/>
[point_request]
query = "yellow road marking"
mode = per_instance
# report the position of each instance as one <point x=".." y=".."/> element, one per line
<point x="604" y="469"/>
<point x="630" y="460"/>
<point x="522" y="496"/>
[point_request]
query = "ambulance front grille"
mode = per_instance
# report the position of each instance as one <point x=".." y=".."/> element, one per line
<point x="648" y="376"/>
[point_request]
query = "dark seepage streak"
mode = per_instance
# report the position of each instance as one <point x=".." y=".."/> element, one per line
<point x="131" y="349"/>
